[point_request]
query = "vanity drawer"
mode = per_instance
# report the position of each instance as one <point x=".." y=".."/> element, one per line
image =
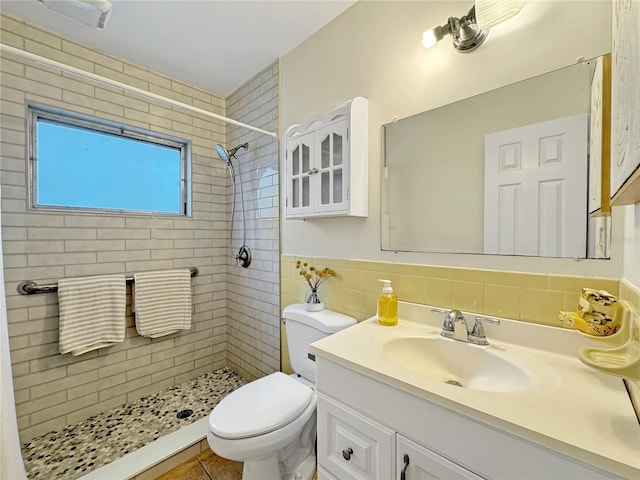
<point x="351" y="445"/>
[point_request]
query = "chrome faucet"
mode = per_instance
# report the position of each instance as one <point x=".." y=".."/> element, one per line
<point x="447" y="325"/>
<point x="460" y="331"/>
<point x="455" y="327"/>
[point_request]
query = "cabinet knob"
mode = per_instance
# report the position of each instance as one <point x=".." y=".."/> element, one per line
<point x="313" y="171"/>
<point x="346" y="453"/>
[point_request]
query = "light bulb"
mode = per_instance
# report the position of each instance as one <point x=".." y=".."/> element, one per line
<point x="434" y="35"/>
<point x="429" y="38"/>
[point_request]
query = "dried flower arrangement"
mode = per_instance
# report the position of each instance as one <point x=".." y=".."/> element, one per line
<point x="314" y="276"/>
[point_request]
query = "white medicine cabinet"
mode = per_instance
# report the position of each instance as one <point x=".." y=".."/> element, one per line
<point x="327" y="163"/>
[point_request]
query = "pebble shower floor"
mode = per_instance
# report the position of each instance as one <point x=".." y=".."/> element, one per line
<point x="80" y="448"/>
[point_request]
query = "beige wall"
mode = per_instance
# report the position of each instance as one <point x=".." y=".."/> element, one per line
<point x="229" y="307"/>
<point x="374" y="50"/>
<point x="631" y="240"/>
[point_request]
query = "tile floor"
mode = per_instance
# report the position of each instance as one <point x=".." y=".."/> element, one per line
<point x="208" y="466"/>
<point x="80" y="448"/>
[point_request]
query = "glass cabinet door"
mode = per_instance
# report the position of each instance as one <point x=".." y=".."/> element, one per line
<point x="299" y="172"/>
<point x="332" y="145"/>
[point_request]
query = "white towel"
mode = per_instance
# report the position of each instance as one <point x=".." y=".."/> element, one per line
<point x="92" y="312"/>
<point x="162" y="302"/>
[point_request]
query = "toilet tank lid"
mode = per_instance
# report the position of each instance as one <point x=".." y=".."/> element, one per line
<point x="325" y="320"/>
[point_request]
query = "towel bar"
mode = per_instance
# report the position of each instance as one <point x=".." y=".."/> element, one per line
<point x="29" y="287"/>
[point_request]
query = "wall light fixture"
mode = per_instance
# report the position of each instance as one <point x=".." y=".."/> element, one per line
<point x="470" y="31"/>
<point x="94" y="13"/>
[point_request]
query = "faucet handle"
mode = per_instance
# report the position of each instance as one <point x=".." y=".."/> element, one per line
<point x="477" y="335"/>
<point x="447" y="324"/>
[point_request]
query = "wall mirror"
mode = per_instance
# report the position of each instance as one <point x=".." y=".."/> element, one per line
<point x="505" y="172"/>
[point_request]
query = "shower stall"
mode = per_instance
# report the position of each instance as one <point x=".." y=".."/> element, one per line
<point x="230" y="329"/>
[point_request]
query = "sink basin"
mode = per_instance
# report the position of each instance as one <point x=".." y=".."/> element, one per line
<point x="456" y="363"/>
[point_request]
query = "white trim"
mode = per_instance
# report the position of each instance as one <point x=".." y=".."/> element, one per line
<point x="123" y="86"/>
<point x="37" y="112"/>
<point x="144" y="458"/>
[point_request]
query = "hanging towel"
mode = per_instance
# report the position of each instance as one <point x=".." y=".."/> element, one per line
<point x="162" y="302"/>
<point x="92" y="312"/>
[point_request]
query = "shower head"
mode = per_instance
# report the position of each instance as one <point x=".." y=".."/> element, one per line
<point x="226" y="155"/>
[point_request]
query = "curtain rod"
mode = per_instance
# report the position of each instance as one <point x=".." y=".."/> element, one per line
<point x="123" y="86"/>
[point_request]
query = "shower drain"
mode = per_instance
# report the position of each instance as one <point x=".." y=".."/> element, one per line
<point x="454" y="382"/>
<point x="184" y="413"/>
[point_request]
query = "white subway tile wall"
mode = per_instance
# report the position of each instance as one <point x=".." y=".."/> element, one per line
<point x="253" y="329"/>
<point x="235" y="313"/>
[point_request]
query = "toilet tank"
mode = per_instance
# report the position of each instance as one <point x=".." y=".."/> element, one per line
<point x="303" y="328"/>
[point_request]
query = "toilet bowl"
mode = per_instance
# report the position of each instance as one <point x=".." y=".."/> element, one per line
<point x="270" y="423"/>
<point x="266" y="436"/>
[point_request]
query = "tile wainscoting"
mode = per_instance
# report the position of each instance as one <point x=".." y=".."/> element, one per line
<point x="529" y="297"/>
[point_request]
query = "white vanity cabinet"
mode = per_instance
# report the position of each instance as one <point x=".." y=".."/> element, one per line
<point x="355" y="446"/>
<point x="327" y="164"/>
<point x="366" y="426"/>
<point x="420" y="463"/>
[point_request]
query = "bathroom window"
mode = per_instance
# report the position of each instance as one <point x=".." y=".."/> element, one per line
<point x="86" y="164"/>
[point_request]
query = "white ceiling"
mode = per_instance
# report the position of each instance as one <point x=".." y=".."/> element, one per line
<point x="216" y="45"/>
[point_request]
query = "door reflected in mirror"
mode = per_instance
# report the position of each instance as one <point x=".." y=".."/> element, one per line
<point x="504" y="172"/>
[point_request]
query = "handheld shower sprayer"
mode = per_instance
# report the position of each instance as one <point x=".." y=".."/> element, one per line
<point x="226" y="155"/>
<point x="243" y="257"/>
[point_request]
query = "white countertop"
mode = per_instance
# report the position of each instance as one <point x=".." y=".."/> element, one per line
<point x="570" y="407"/>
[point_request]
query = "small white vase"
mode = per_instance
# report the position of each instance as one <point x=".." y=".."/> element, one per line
<point x="312" y="301"/>
<point x="314" y="307"/>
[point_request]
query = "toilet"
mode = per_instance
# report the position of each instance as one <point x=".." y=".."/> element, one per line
<point x="270" y="423"/>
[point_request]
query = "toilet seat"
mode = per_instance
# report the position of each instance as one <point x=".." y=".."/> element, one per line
<point x="260" y="407"/>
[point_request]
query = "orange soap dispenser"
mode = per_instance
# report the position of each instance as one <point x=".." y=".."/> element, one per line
<point x="387" y="305"/>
